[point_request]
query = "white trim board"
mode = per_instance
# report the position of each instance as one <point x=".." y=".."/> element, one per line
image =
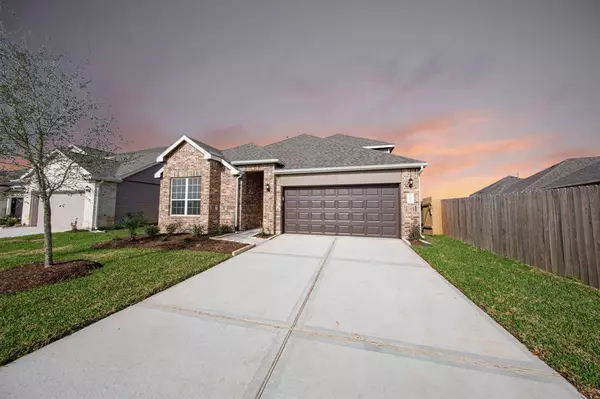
<point x="206" y="154"/>
<point x="377" y="147"/>
<point x="255" y="162"/>
<point x="351" y="168"/>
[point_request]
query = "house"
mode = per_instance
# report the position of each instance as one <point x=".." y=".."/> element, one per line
<point x="498" y="187"/>
<point x="568" y="173"/>
<point x="304" y="184"/>
<point x="11" y="194"/>
<point x="100" y="192"/>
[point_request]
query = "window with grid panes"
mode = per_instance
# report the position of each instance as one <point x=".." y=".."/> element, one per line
<point x="185" y="196"/>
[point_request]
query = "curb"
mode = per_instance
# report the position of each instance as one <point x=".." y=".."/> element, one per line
<point x="243" y="249"/>
<point x="222" y="236"/>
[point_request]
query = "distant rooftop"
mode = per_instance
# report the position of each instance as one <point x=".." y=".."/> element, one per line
<point x="568" y="173"/>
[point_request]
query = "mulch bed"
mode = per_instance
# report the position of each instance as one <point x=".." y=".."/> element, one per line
<point x="177" y="241"/>
<point x="35" y="275"/>
<point x="417" y="242"/>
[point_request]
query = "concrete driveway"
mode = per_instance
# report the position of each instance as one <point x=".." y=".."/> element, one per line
<point x="27" y="231"/>
<point x="297" y="317"/>
<point x="20" y="231"/>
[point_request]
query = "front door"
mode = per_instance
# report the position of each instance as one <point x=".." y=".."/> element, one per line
<point x="16" y="207"/>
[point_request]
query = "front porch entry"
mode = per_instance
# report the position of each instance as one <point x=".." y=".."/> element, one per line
<point x="251" y="200"/>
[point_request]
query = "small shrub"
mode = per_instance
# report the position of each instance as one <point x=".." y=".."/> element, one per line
<point x="172" y="228"/>
<point x="224" y="229"/>
<point x="188" y="239"/>
<point x="415" y="232"/>
<point x="74" y="226"/>
<point x="12" y="222"/>
<point x="133" y="223"/>
<point x="152" y="230"/>
<point x="198" y="230"/>
<point x="3" y="221"/>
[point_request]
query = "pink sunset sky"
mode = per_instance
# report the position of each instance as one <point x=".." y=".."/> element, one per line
<point x="479" y="89"/>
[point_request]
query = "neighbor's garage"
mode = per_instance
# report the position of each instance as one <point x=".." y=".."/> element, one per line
<point x="65" y="209"/>
<point x="364" y="210"/>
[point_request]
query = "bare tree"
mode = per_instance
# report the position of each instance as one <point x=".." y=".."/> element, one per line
<point x="46" y="107"/>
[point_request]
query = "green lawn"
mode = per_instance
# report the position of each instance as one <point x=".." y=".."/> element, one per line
<point x="557" y="318"/>
<point x="31" y="319"/>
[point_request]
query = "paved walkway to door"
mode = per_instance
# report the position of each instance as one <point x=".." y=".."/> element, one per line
<point x="297" y="317"/>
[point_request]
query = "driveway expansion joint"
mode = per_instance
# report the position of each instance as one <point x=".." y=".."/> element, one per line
<point x="457" y="359"/>
<point x="217" y="316"/>
<point x="324" y="261"/>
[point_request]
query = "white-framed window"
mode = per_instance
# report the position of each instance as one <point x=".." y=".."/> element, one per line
<point x="185" y="196"/>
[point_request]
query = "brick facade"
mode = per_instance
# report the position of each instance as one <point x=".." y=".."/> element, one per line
<point x="228" y="196"/>
<point x="410" y="214"/>
<point x="185" y="161"/>
<point x="218" y="194"/>
<point x="268" y="222"/>
<point x="251" y="201"/>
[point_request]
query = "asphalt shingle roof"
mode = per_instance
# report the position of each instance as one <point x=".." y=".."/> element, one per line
<point x="357" y="141"/>
<point x="118" y="165"/>
<point x="211" y="150"/>
<point x="8" y="175"/>
<point x="547" y="177"/>
<point x="310" y="152"/>
<point x="498" y="187"/>
<point x="247" y="152"/>
<point x="588" y="175"/>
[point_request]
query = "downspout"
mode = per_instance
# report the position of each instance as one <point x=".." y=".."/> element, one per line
<point x="96" y="199"/>
<point x="237" y="201"/>
<point x="420" y="202"/>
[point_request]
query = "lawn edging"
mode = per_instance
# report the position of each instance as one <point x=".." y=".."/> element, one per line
<point x="242" y="250"/>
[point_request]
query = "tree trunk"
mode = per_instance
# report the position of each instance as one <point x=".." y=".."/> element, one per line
<point x="48" y="258"/>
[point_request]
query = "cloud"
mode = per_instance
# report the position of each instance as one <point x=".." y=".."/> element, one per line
<point x="457" y="124"/>
<point x="477" y="149"/>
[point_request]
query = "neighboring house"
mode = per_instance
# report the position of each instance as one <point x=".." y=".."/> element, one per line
<point x="11" y="194"/>
<point x="499" y="187"/>
<point x="334" y="185"/>
<point x="568" y="173"/>
<point x="101" y="193"/>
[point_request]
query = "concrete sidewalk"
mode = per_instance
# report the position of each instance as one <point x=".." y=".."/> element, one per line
<point x="297" y="317"/>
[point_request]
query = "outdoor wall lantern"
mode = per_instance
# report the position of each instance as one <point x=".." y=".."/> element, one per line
<point x="268" y="187"/>
<point x="410" y="183"/>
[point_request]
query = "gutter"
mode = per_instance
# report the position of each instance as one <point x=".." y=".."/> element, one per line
<point x="254" y="162"/>
<point x="420" y="198"/>
<point x="96" y="199"/>
<point x="108" y="179"/>
<point x="352" y="168"/>
<point x="237" y="201"/>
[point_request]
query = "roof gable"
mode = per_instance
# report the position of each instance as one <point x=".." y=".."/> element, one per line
<point x="207" y="151"/>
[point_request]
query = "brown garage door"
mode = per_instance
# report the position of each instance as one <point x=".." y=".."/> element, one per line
<point x="370" y="210"/>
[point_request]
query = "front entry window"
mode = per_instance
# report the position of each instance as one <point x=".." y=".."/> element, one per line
<point x="185" y="196"/>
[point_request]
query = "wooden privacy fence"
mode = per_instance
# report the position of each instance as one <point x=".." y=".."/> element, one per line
<point x="556" y="230"/>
